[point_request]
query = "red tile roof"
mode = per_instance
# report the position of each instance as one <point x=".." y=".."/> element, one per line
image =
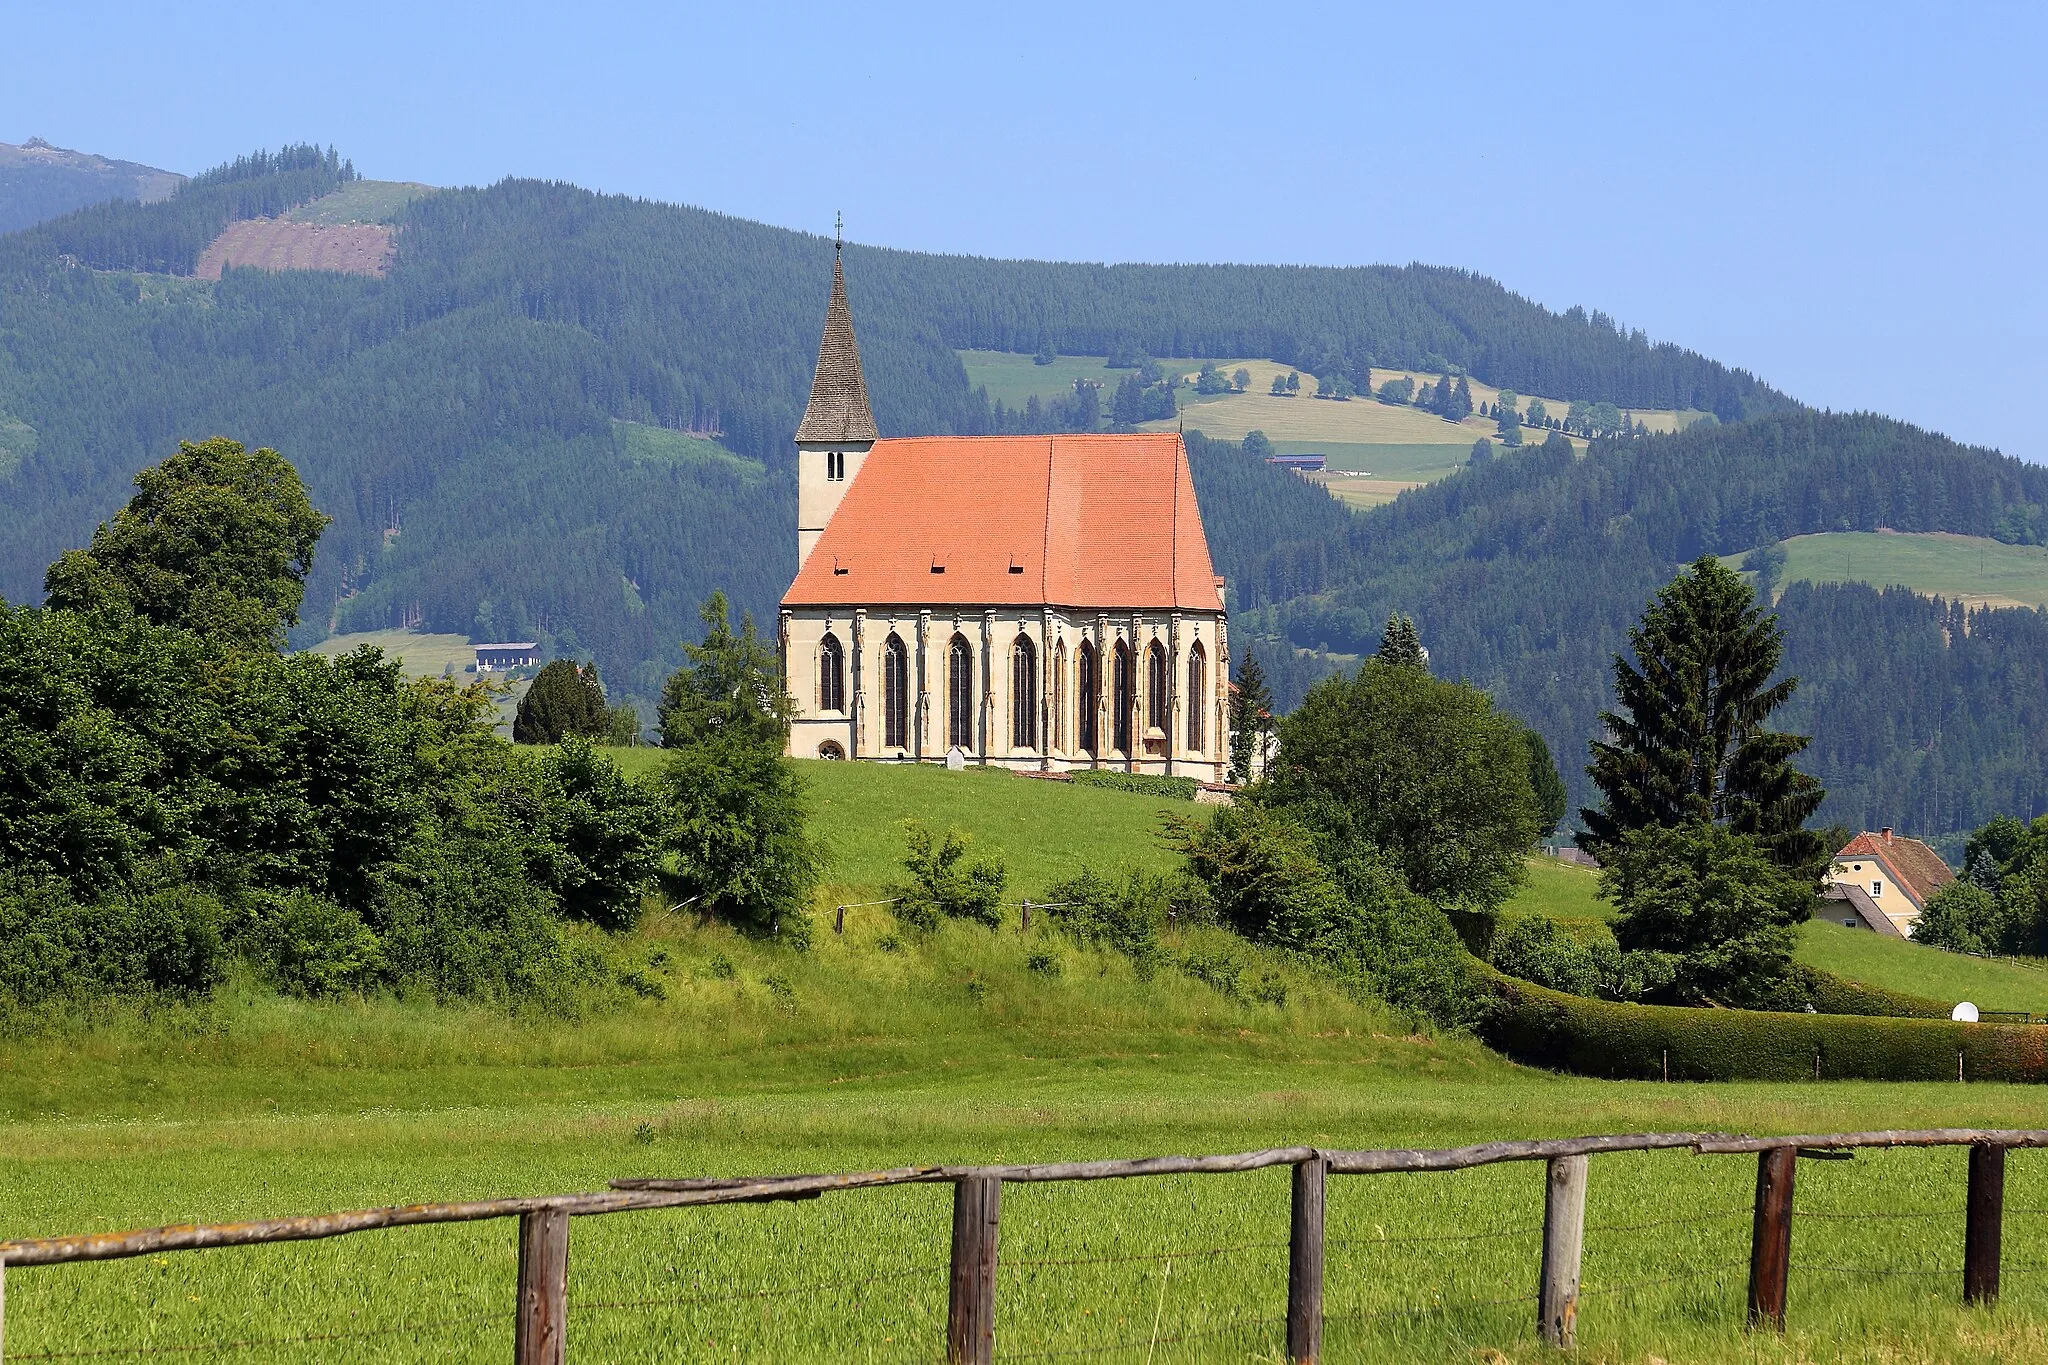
<point x="1073" y="521"/>
<point x="1912" y="864"/>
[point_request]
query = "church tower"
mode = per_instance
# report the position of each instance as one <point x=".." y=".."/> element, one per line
<point x="838" y="428"/>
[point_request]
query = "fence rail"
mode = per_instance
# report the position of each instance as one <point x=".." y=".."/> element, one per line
<point x="541" y="1303"/>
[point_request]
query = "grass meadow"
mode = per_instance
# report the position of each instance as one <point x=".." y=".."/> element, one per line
<point x="1977" y="570"/>
<point x="876" y="1049"/>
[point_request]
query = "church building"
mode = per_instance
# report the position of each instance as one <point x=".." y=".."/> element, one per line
<point x="1035" y="602"/>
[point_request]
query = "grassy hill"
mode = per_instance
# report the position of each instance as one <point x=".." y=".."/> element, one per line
<point x="1975" y="570"/>
<point x="874" y="1050"/>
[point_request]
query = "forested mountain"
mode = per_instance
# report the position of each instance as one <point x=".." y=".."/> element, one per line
<point x="39" y="181"/>
<point x="460" y="418"/>
<point x="1524" y="575"/>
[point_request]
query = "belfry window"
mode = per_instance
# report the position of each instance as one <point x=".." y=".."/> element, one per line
<point x="1024" y="694"/>
<point x="831" y="674"/>
<point x="835" y="465"/>
<point x="960" y="694"/>
<point x="895" y="693"/>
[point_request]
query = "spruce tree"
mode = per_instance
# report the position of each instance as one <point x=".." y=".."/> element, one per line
<point x="563" y="701"/>
<point x="1461" y="400"/>
<point x="731" y="689"/>
<point x="1251" y="718"/>
<point x="1401" y="645"/>
<point x="1687" y="743"/>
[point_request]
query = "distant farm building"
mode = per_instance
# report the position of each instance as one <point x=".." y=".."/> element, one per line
<point x="496" y="658"/>
<point x="1300" y="464"/>
<point x="1882" y="881"/>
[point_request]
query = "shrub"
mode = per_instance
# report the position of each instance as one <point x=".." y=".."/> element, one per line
<point x="313" y="947"/>
<point x="1715" y="900"/>
<point x="595" y="835"/>
<point x="1145" y="784"/>
<point x="1124" y="912"/>
<point x="1542" y="1027"/>
<point x="737" y="822"/>
<point x="942" y="885"/>
<point x="1357" y="919"/>
<point x="53" y="946"/>
<point x="1535" y="949"/>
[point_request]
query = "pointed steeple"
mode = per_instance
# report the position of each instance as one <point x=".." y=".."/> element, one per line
<point x="838" y="409"/>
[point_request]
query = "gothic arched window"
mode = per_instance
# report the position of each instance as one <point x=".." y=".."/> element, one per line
<point x="1156" y="699"/>
<point x="1088" y="698"/>
<point x="895" y="693"/>
<point x="1024" y="694"/>
<point x="960" y="694"/>
<point x="1058" y="738"/>
<point x="1197" y="695"/>
<point x="1122" y="698"/>
<point x="831" y="674"/>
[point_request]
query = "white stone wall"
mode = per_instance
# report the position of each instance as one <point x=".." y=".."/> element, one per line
<point x="818" y="494"/>
<point x="1056" y="635"/>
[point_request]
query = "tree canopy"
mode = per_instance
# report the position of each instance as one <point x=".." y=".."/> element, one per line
<point x="218" y="541"/>
<point x="1688" y="742"/>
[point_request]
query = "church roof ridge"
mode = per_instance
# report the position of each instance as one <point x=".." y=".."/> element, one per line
<point x="838" y="410"/>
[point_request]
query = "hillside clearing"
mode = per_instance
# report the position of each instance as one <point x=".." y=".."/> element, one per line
<point x="284" y="244"/>
<point x="419" y="653"/>
<point x="361" y="201"/>
<point x="1972" y="569"/>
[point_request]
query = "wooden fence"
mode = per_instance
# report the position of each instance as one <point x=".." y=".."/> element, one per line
<point x="540" y="1331"/>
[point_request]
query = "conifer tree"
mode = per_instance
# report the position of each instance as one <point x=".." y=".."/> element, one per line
<point x="1687" y="743"/>
<point x="1401" y="645"/>
<point x="563" y="701"/>
<point x="732" y="688"/>
<point x="1251" y="718"/>
<point x="1461" y="401"/>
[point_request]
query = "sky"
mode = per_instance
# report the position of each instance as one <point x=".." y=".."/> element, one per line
<point x="1845" y="200"/>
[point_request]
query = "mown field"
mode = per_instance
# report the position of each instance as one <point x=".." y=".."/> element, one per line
<point x="876" y="1049"/>
<point x="1978" y="570"/>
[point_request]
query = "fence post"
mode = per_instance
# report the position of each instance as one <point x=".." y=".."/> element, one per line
<point x="1564" y="1239"/>
<point x="1770" y="1242"/>
<point x="971" y="1303"/>
<point x="1984" y="1224"/>
<point x="541" y="1324"/>
<point x="1305" y="1262"/>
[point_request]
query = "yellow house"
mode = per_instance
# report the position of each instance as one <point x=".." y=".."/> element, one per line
<point x="1882" y="881"/>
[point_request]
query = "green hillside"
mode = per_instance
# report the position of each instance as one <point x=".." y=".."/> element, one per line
<point x="1524" y="576"/>
<point x="1976" y="570"/>
<point x="467" y="401"/>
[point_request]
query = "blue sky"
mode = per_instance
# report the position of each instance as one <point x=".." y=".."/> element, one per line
<point x="1845" y="199"/>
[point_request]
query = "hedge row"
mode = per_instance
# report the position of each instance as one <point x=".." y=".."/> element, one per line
<point x="1145" y="784"/>
<point x="1546" y="1028"/>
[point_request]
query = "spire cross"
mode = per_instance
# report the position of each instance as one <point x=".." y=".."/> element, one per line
<point x="838" y="232"/>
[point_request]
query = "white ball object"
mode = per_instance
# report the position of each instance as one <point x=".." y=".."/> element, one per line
<point x="1965" y="1013"/>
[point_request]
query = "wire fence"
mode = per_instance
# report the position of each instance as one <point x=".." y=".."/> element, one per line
<point x="1391" y="1278"/>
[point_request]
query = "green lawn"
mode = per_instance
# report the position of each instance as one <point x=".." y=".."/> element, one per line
<point x="1012" y="379"/>
<point x="1970" y="567"/>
